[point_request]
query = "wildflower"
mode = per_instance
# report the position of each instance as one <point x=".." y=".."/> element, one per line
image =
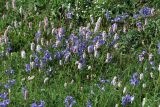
<point x="146" y="12"/>
<point x="151" y="74"/>
<point x="92" y="19"/>
<point x="14" y="4"/>
<point x="4" y="95"/>
<point x="23" y="54"/>
<point x="127" y="99"/>
<point x="96" y="53"/>
<point x="31" y="77"/>
<point x="114" y="27"/>
<point x="28" y="68"/>
<point x="60" y="62"/>
<point x="65" y="85"/>
<point x="38" y="48"/>
<point x="140" y="58"/>
<point x="21" y="10"/>
<point x="4" y="103"/>
<point x="69" y="101"/>
<point x="30" y="25"/>
<point x="91" y="49"/>
<point x="46" y="79"/>
<point x="32" y="46"/>
<point x="139" y="25"/>
<point x="89" y="103"/>
<point x="114" y="81"/>
<point x="144" y="85"/>
<point x="69" y="15"/>
<point x="80" y="65"/>
<point x="134" y="79"/>
<point x="7" y="5"/>
<point x="136" y="16"/>
<point x="107" y="15"/>
<point x="109" y="58"/>
<point x="97" y="24"/>
<point x="25" y="93"/>
<point x="143" y="102"/>
<point x="116" y="105"/>
<point x="124" y="90"/>
<point x="141" y="76"/>
<point x="12" y="82"/>
<point x="150" y="57"/>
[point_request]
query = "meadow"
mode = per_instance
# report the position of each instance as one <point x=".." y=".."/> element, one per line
<point x="79" y="53"/>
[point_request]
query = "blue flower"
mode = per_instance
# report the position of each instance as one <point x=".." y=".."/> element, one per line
<point x="12" y="82"/>
<point x="134" y="79"/>
<point x="69" y="101"/>
<point x="4" y="95"/>
<point x="127" y="99"/>
<point x="89" y="103"/>
<point x="69" y="15"/>
<point x="28" y="68"/>
<point x="107" y="15"/>
<point x="145" y="12"/>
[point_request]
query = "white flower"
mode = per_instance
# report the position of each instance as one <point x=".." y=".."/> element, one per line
<point x="143" y="102"/>
<point x="104" y="35"/>
<point x="144" y="85"/>
<point x="151" y="74"/>
<point x="42" y="41"/>
<point x="32" y="64"/>
<point x="92" y="20"/>
<point x="84" y="55"/>
<point x="98" y="23"/>
<point x="32" y="46"/>
<point x="65" y="85"/>
<point x="124" y="90"/>
<point x="159" y="68"/>
<point x="109" y="57"/>
<point x="150" y="56"/>
<point x="116" y="105"/>
<point x="14" y="4"/>
<point x="23" y="54"/>
<point x="60" y="62"/>
<point x="72" y="81"/>
<point x="96" y="54"/>
<point x="38" y="48"/>
<point x="114" y="81"/>
<point x="80" y="66"/>
<point x="114" y="27"/>
<point x="46" y="79"/>
<point x="141" y="76"/>
<point x="31" y="77"/>
<point x="89" y="67"/>
<point x="119" y="84"/>
<point x="21" y="10"/>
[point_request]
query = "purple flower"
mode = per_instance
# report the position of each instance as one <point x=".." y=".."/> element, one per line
<point x="91" y="49"/>
<point x="107" y="15"/>
<point x="28" y="68"/>
<point x="38" y="105"/>
<point x="139" y="24"/>
<point x="12" y="82"/>
<point x="4" y="95"/>
<point x="69" y="15"/>
<point x="127" y="99"/>
<point x="4" y="103"/>
<point x="89" y="103"/>
<point x="134" y="80"/>
<point x="34" y="105"/>
<point x="6" y="86"/>
<point x="69" y="101"/>
<point x="145" y="12"/>
<point x="136" y="16"/>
